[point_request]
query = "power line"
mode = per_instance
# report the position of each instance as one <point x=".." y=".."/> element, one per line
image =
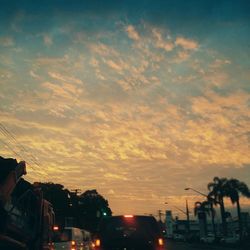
<point x="11" y="138"/>
<point x="21" y="157"/>
<point x="16" y="153"/>
<point x="10" y="146"/>
<point x="76" y="191"/>
<point x="8" y="133"/>
<point x="12" y="150"/>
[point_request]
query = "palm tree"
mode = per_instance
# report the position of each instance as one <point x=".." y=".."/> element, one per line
<point x="212" y="201"/>
<point x="202" y="209"/>
<point x="217" y="190"/>
<point x="235" y="188"/>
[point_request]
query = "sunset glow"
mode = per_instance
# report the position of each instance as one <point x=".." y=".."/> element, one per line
<point x="138" y="101"/>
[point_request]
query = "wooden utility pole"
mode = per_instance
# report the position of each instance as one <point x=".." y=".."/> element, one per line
<point x="159" y="214"/>
<point x="76" y="191"/>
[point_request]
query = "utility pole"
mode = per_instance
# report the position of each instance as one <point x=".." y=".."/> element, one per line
<point x="76" y="191"/>
<point x="186" y="213"/>
<point x="211" y="201"/>
<point x="160" y="214"/>
<point x="188" y="219"/>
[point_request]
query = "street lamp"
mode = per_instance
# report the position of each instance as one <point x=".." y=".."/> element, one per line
<point x="210" y="200"/>
<point x="184" y="212"/>
<point x="196" y="191"/>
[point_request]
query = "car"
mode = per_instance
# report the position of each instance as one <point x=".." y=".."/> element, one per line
<point x="234" y="239"/>
<point x="87" y="240"/>
<point x="210" y="238"/>
<point x="70" y="238"/>
<point x="178" y="237"/>
<point x="130" y="232"/>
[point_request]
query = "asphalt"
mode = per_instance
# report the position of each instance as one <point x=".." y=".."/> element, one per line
<point x="172" y="245"/>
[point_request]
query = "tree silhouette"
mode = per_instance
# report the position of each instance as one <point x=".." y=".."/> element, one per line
<point x="58" y="196"/>
<point x="233" y="189"/>
<point x="211" y="199"/>
<point x="218" y="191"/>
<point x="92" y="207"/>
<point x="86" y="209"/>
<point x="202" y="209"/>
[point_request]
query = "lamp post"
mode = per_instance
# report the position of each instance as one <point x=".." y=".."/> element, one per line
<point x="210" y="200"/>
<point x="186" y="213"/>
<point x="160" y="214"/>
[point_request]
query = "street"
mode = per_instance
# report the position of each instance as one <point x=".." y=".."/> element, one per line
<point x="171" y="245"/>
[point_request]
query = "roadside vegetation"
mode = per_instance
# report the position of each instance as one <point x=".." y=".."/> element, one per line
<point x="84" y="210"/>
<point x="218" y="190"/>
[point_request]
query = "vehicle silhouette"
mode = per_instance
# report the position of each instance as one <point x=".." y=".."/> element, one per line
<point x="129" y="232"/>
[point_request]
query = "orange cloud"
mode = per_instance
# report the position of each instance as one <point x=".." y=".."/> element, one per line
<point x="132" y="33"/>
<point x="160" y="43"/>
<point x="185" y="43"/>
<point x="64" y="78"/>
<point x="114" y="65"/>
<point x="103" y="49"/>
<point x="109" y="117"/>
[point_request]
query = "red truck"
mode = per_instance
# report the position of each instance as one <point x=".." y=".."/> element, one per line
<point x="26" y="219"/>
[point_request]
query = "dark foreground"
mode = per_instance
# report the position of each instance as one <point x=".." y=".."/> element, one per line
<point x="171" y="245"/>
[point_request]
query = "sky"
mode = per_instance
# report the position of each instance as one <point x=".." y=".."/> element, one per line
<point x="137" y="99"/>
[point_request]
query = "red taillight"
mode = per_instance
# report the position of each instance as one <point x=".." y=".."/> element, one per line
<point x="128" y="216"/>
<point x="160" y="242"/>
<point x="55" y="228"/>
<point x="97" y="243"/>
<point x="73" y="245"/>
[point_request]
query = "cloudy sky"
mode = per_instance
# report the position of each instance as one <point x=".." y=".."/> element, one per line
<point x="137" y="99"/>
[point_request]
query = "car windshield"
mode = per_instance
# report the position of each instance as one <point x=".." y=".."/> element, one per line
<point x="134" y="227"/>
<point x="63" y="236"/>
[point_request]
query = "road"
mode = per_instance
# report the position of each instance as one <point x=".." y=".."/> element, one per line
<point x="170" y="245"/>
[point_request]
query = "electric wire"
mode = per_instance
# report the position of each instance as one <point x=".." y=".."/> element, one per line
<point x="8" y="133"/>
<point x="10" y="146"/>
<point x="12" y="140"/>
